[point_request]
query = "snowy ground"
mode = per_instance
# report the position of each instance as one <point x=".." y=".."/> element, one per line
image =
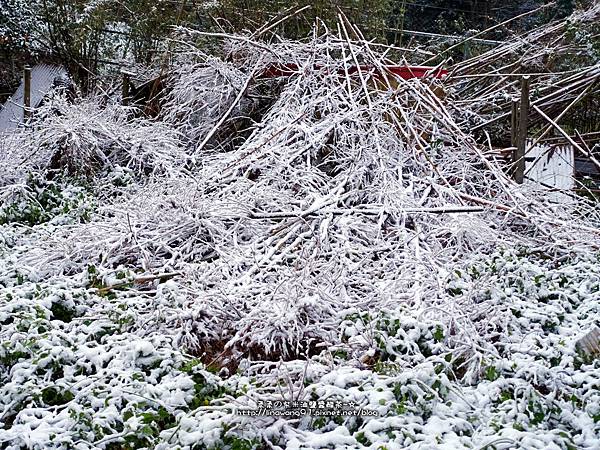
<point x="81" y="370"/>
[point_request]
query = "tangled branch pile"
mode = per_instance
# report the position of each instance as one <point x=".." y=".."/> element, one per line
<point x="562" y="58"/>
<point x="352" y="222"/>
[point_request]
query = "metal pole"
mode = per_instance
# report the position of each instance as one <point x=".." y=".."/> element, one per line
<point x="26" y="93"/>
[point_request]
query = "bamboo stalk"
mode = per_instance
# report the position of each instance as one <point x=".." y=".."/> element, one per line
<point x="139" y="280"/>
<point x="492" y="28"/>
<point x="224" y="117"/>
<point x="568" y="138"/>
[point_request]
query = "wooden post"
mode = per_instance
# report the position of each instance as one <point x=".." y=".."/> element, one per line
<point x="125" y="89"/>
<point x="519" y="161"/>
<point x="514" y="120"/>
<point x="26" y="93"/>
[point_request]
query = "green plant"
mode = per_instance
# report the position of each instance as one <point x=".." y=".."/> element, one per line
<point x="41" y="200"/>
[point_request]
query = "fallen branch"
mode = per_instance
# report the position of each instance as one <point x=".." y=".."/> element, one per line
<point x="568" y="138"/>
<point x="139" y="281"/>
